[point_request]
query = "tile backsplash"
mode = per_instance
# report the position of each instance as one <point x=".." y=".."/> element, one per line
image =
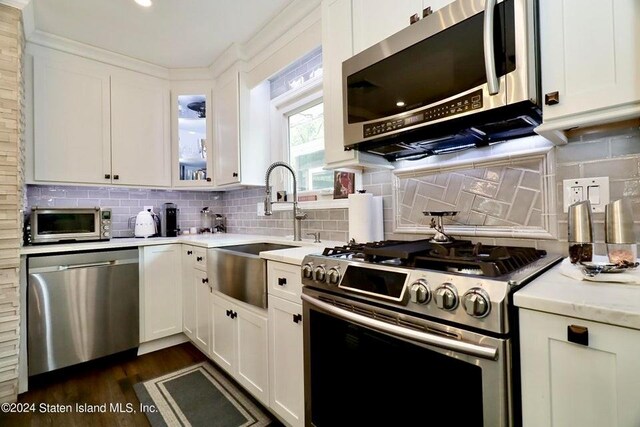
<point x="616" y="154"/>
<point x="125" y="202"/>
<point x="505" y="195"/>
<point x="240" y="208"/>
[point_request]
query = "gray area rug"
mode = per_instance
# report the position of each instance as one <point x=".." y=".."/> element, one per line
<point x="199" y="395"/>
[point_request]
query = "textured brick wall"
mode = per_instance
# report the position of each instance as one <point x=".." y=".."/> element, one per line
<point x="11" y="93"/>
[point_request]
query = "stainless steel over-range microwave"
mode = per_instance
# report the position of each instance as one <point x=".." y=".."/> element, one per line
<point x="465" y="76"/>
<point x="54" y="225"/>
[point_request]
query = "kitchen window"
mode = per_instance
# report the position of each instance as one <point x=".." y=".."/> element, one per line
<point x="297" y="131"/>
<point x="305" y="146"/>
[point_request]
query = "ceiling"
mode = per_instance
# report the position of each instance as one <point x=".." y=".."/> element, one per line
<point x="170" y="33"/>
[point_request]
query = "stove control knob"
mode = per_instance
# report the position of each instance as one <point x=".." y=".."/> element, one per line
<point x="446" y="297"/>
<point x="419" y="292"/>
<point x="333" y="275"/>
<point x="307" y="271"/>
<point x="319" y="274"/>
<point x="476" y="302"/>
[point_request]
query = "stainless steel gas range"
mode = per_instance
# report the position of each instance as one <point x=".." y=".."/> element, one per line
<point x="386" y="318"/>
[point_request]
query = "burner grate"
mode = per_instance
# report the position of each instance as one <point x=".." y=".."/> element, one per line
<point x="460" y="256"/>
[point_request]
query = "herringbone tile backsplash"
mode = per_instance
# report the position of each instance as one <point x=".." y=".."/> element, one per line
<point x="508" y="195"/>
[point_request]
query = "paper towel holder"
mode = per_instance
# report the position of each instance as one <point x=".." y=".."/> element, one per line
<point x="436" y="223"/>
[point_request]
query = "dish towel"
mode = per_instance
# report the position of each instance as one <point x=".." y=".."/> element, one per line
<point x="573" y="271"/>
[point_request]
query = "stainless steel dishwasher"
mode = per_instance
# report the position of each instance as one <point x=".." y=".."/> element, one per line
<point x="81" y="306"/>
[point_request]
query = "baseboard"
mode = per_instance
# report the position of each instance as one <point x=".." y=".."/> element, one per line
<point x="155" y="345"/>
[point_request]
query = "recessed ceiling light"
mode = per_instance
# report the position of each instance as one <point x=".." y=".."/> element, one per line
<point x="400" y="103"/>
<point x="144" y="3"/>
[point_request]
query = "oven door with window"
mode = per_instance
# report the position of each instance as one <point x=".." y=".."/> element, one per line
<point x="390" y="369"/>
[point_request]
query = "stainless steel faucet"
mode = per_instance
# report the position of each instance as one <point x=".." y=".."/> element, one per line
<point x="298" y="215"/>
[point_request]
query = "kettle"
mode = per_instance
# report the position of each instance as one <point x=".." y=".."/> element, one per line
<point x="145" y="225"/>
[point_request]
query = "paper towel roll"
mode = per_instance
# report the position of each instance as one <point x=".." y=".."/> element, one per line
<point x="365" y="218"/>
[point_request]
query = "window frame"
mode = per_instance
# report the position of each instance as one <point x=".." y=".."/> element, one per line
<point x="282" y="107"/>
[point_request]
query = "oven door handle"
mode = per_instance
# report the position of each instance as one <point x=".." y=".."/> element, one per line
<point x="475" y="350"/>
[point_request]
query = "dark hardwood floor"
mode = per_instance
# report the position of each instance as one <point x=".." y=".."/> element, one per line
<point x="108" y="380"/>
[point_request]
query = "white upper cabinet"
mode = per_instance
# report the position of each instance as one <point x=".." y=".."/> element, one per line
<point x="241" y="144"/>
<point x="72" y="133"/>
<point x="140" y="137"/>
<point x="337" y="46"/>
<point x="191" y="134"/>
<point x="98" y="124"/>
<point x="590" y="59"/>
<point x="227" y="122"/>
<point x="375" y="21"/>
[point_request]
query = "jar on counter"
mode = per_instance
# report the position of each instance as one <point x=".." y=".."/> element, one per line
<point x="580" y="233"/>
<point x="206" y="220"/>
<point x="619" y="234"/>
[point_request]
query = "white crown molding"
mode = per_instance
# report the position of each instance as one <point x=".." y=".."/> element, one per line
<point x="233" y="54"/>
<point x="186" y="74"/>
<point x="18" y="4"/>
<point x="280" y="26"/>
<point x="63" y="44"/>
<point x="28" y="20"/>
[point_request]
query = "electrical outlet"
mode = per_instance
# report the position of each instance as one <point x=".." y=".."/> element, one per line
<point x="596" y="190"/>
<point x="260" y="209"/>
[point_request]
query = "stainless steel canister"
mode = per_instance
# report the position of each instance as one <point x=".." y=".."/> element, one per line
<point x="580" y="232"/>
<point x="618" y="230"/>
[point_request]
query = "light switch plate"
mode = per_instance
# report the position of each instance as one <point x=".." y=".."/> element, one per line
<point x="577" y="189"/>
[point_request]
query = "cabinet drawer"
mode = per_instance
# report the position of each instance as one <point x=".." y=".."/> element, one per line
<point x="200" y="258"/>
<point x="284" y="281"/>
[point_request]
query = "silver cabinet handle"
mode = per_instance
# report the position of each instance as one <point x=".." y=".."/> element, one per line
<point x="489" y="49"/>
<point x="490" y="353"/>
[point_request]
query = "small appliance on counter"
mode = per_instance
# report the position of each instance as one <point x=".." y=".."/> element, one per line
<point x="219" y="224"/>
<point x="145" y="224"/>
<point x="206" y="222"/>
<point x="169" y="226"/>
<point x="56" y="225"/>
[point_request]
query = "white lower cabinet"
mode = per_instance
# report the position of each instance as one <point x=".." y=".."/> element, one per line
<point x="239" y="344"/>
<point x="286" y="363"/>
<point x="565" y="383"/>
<point x="196" y="293"/>
<point x="202" y="308"/>
<point x="161" y="292"/>
<point x="188" y="293"/>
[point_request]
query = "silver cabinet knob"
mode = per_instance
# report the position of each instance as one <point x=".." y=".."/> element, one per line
<point x="334" y="275"/>
<point x="307" y="271"/>
<point x="320" y="273"/>
<point x="419" y="292"/>
<point x="446" y="297"/>
<point x="476" y="302"/>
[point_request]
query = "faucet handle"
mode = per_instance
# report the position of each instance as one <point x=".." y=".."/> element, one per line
<point x="316" y="237"/>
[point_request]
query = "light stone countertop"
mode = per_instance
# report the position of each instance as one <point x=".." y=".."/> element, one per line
<point x="289" y="256"/>
<point x="612" y="303"/>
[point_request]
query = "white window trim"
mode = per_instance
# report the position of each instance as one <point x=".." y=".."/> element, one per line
<point x="281" y="108"/>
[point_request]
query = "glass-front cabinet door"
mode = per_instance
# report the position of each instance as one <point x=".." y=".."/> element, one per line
<point x="192" y="149"/>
